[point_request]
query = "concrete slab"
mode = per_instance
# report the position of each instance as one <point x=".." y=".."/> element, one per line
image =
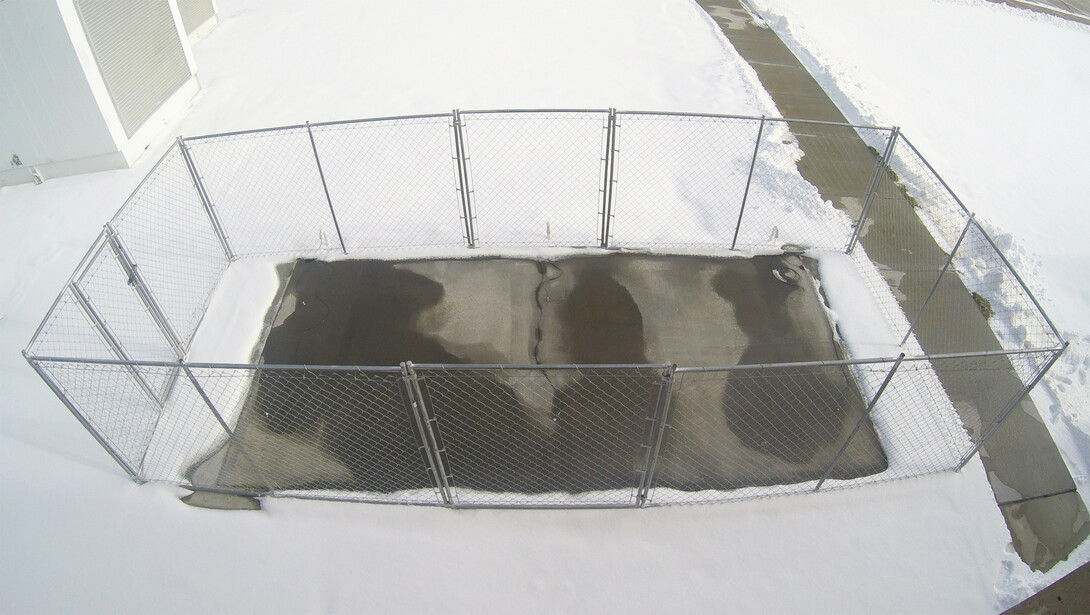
<point x="1022" y="461"/>
<point x="1068" y="596"/>
<point x="549" y="430"/>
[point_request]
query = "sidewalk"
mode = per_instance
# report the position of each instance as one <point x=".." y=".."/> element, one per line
<point x="1033" y="487"/>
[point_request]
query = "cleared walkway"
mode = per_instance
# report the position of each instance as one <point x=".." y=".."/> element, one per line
<point x="1033" y="487"/>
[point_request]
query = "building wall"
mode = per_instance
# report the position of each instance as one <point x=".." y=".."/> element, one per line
<point x="48" y="112"/>
<point x="87" y="85"/>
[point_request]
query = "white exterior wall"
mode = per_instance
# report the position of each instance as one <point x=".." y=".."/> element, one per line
<point x="56" y="114"/>
<point x="48" y="112"/>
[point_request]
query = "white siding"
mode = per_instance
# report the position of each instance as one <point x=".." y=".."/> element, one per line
<point x="47" y="109"/>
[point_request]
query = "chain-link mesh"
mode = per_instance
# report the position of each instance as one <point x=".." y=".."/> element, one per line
<point x="542" y="437"/>
<point x="979" y="304"/>
<point x="391" y="182"/>
<point x="680" y="180"/>
<point x="68" y="331"/>
<point x="112" y="403"/>
<point x="548" y="436"/>
<point x="343" y="434"/>
<point x="122" y="316"/>
<point x="785" y="204"/>
<point x="183" y="260"/>
<point x="515" y="160"/>
<point x="756" y="432"/>
<point x="267" y="191"/>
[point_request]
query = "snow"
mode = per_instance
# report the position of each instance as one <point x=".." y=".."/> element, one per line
<point x="78" y="536"/>
<point x="984" y="91"/>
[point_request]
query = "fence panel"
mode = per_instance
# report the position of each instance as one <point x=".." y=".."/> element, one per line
<point x="756" y="432"/>
<point x="680" y="179"/>
<point x="392" y="182"/>
<point x="521" y="437"/>
<point x="181" y="261"/>
<point x="516" y="160"/>
<point x="785" y="207"/>
<point x="111" y="403"/>
<point x="267" y="191"/>
<point x="111" y="298"/>
<point x="998" y="298"/>
<point x="987" y="392"/>
<point x="68" y="331"/>
<point x="331" y="434"/>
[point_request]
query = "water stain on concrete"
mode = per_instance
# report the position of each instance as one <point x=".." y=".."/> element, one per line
<point x="761" y="412"/>
<point x="535" y="431"/>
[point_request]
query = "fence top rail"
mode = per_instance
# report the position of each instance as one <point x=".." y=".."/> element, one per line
<point x="452" y="367"/>
<point x="254" y="131"/>
<point x="541" y="110"/>
<point x="303" y="126"/>
<point x="455" y="367"/>
<point x="728" y="116"/>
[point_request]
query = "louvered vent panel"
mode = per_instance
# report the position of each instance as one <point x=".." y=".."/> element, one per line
<point x="139" y="54"/>
<point x="194" y="13"/>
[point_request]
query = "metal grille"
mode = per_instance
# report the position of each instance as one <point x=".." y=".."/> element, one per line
<point x="139" y="53"/>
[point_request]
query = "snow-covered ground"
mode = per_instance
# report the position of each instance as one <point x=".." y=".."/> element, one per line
<point x="78" y="537"/>
<point x="993" y="97"/>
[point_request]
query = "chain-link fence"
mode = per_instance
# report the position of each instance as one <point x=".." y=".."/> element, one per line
<point x="974" y="340"/>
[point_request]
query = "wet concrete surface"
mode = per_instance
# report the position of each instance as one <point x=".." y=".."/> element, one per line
<point x="545" y="430"/>
<point x="1021" y="458"/>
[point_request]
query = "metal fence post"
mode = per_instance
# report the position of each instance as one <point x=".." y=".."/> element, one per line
<point x="942" y="272"/>
<point x="882" y="163"/>
<point x="223" y="423"/>
<point x="461" y="161"/>
<point x="206" y="201"/>
<point x="749" y="179"/>
<point x="998" y="422"/>
<point x="610" y="161"/>
<point x="325" y="187"/>
<point x="136" y="281"/>
<point x="859" y="423"/>
<point x="133" y="474"/>
<point x="658" y="431"/>
<point x="433" y="454"/>
<point x="111" y="341"/>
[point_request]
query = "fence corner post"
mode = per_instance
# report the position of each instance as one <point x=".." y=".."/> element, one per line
<point x="1002" y="417"/>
